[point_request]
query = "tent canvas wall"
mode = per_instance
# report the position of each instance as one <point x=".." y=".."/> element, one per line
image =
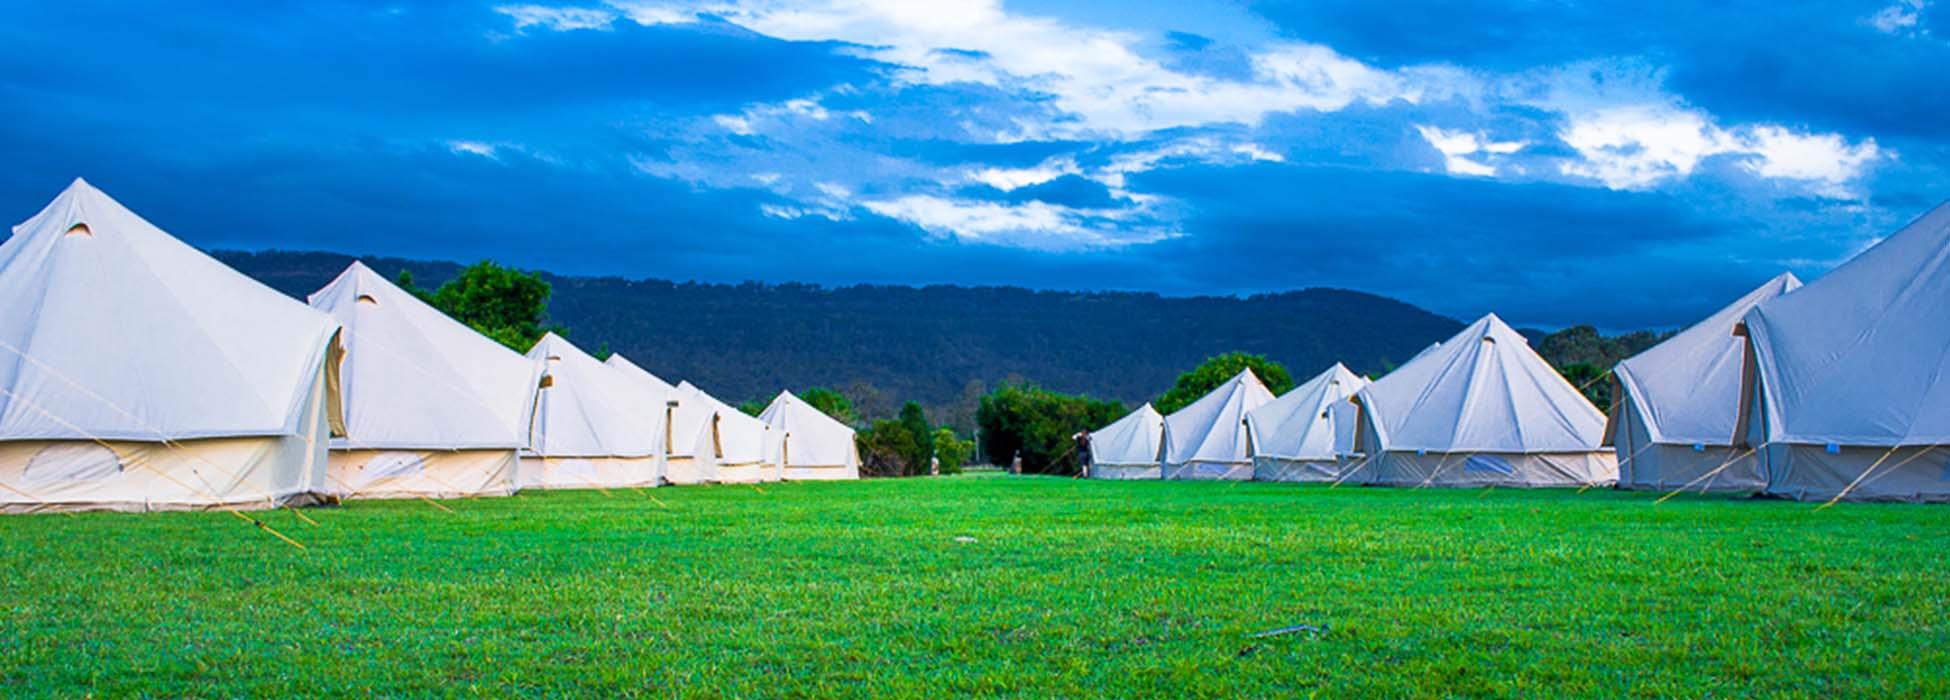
<point x="1672" y="424"/>
<point x="684" y="424"/>
<point x="813" y="445"/>
<point x="1480" y="410"/>
<point x="1207" y="439"/>
<point x="432" y="408"/>
<point x="1843" y="394"/>
<point x="137" y="373"/>
<point x="740" y="444"/>
<point x="591" y="430"/>
<point x="1129" y="448"/>
<point x="1306" y="434"/>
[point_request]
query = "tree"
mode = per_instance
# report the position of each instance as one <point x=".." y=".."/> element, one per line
<point x="1590" y="380"/>
<point x="953" y="452"/>
<point x="914" y="420"/>
<point x="752" y="407"/>
<point x="502" y="303"/>
<point x="832" y="403"/>
<point x="1019" y="418"/>
<point x="1215" y="371"/>
<point x="888" y="448"/>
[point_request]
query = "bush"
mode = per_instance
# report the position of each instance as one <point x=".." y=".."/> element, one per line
<point x="953" y="452"/>
<point x="1026" y="420"/>
<point x="899" y="447"/>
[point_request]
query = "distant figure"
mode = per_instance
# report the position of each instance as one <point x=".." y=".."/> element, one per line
<point x="1015" y="463"/>
<point x="934" y="466"/>
<point x="1083" y="452"/>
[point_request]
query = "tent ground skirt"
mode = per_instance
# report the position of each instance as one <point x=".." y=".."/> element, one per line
<point x="683" y="471"/>
<point x="835" y="472"/>
<point x="366" y="473"/>
<point x="1469" y="470"/>
<point x="751" y="473"/>
<point x="1125" y="472"/>
<point x="133" y="477"/>
<point x="588" y="472"/>
<point x="1714" y="469"/>
<point x="1208" y="471"/>
<point x="1913" y="474"/>
<point x="1300" y="470"/>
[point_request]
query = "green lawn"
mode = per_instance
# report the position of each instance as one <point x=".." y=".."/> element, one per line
<point x="1067" y="588"/>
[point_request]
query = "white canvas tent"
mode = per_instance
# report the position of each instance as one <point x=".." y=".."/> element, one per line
<point x="684" y="424"/>
<point x="138" y="374"/>
<point x="740" y="444"/>
<point x="1306" y="434"/>
<point x="1844" y="392"/>
<point x="591" y="429"/>
<point x="813" y="445"/>
<point x="1130" y="448"/>
<point x="1481" y="410"/>
<point x="432" y="408"/>
<point x="1671" y="424"/>
<point x="1207" y="439"/>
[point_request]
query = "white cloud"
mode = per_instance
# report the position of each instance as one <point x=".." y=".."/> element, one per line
<point x="476" y="148"/>
<point x="1457" y="147"/>
<point x="561" y="19"/>
<point x="1825" y="159"/>
<point x="1033" y="224"/>
<point x="1639" y="146"/>
<point x="734" y="124"/>
<point x="1008" y="179"/>
<point x="1098" y="79"/>
<point x="1897" y="18"/>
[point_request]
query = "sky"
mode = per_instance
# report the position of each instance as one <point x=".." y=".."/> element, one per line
<point x="1627" y="165"/>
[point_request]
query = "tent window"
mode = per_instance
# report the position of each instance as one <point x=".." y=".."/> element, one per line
<point x="366" y="300"/>
<point x="1488" y="464"/>
<point x="80" y="230"/>
<point x="67" y="463"/>
<point x="555" y="359"/>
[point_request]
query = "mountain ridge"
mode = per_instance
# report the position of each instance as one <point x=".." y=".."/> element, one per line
<point x="942" y="345"/>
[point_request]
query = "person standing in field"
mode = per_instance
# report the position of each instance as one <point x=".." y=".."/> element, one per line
<point x="1083" y="452"/>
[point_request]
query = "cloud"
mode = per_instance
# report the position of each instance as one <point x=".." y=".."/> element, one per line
<point x="561" y="19"/>
<point x="1006" y="179"/>
<point x="1897" y="18"/>
<point x="1032" y="224"/>
<point x="1457" y="146"/>
<point x="484" y="150"/>
<point x="1101" y="81"/>
<point x="1639" y="146"/>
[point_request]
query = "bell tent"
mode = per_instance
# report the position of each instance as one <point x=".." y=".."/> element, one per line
<point x="137" y="373"/>
<point x="1480" y="410"/>
<point x="432" y="408"/>
<point x="1671" y="424"/>
<point x="1844" y="392"/>
<point x="1129" y="448"/>
<point x="683" y="424"/>
<point x="741" y="446"/>
<point x="1207" y="439"/>
<point x="1306" y="434"/>
<point x="591" y="430"/>
<point x="813" y="445"/>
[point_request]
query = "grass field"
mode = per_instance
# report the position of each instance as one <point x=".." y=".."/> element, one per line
<point x="1067" y="588"/>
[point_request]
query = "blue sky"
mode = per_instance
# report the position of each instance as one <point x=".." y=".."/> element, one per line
<point x="1621" y="164"/>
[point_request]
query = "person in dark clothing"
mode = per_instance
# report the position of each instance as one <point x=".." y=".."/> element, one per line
<point x="1083" y="452"/>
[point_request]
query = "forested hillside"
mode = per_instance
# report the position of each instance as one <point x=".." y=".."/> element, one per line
<point x="944" y="346"/>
